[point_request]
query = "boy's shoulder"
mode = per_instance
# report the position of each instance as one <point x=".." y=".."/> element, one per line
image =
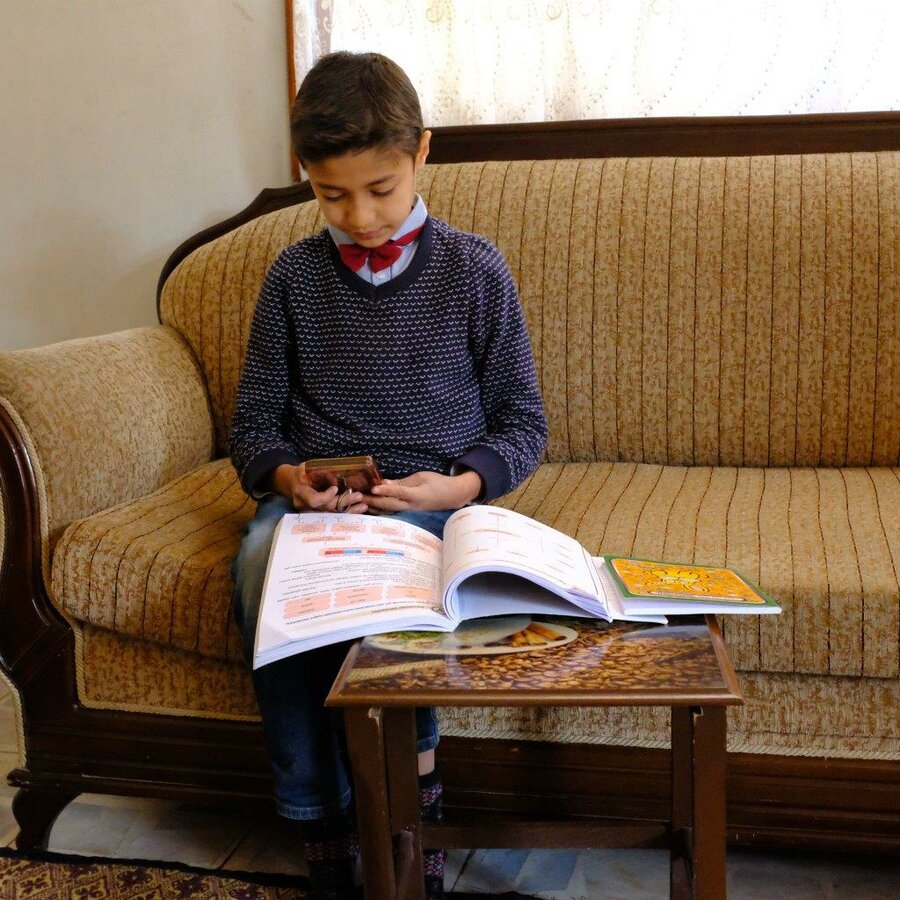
<point x="449" y="232"/>
<point x="306" y="249"/>
<point x="470" y="247"/>
<point x="299" y="260"/>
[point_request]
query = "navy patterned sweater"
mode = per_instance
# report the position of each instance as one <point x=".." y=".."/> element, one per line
<point x="428" y="371"/>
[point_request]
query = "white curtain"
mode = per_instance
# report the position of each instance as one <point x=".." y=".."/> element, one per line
<point x="482" y="61"/>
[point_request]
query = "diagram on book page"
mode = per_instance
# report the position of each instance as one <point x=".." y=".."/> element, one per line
<point x="324" y="565"/>
<point x="488" y="538"/>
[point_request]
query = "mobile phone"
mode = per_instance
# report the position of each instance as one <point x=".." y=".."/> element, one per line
<point x="348" y="473"/>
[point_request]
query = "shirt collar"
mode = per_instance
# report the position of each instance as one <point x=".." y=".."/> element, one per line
<point x="417" y="217"/>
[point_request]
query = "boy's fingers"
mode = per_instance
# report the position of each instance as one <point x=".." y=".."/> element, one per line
<point x="396" y="490"/>
<point x="313" y="499"/>
<point x="389" y="504"/>
<point x="346" y="502"/>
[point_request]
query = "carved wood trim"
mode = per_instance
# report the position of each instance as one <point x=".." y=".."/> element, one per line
<point x="675" y="136"/>
<point x="31" y="630"/>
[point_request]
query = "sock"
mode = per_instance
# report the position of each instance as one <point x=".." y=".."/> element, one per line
<point x="331" y="849"/>
<point x="431" y="805"/>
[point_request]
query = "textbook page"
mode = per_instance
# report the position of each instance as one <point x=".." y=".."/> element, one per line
<point x="479" y="540"/>
<point x="335" y="577"/>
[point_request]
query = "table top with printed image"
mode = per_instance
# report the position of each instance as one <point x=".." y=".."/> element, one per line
<point x="542" y="661"/>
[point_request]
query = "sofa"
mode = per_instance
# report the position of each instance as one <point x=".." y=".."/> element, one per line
<point x="713" y="308"/>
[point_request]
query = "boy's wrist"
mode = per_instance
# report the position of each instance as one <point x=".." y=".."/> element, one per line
<point x="470" y="486"/>
<point x="278" y="480"/>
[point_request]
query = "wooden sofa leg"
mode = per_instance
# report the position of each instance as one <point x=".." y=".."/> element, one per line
<point x="35" y="812"/>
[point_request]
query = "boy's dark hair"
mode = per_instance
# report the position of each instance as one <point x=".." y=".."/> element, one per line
<point x="352" y="102"/>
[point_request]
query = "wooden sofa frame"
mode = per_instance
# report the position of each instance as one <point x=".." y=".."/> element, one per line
<point x="69" y="749"/>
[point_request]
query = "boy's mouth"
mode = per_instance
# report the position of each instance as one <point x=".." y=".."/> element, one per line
<point x="365" y="236"/>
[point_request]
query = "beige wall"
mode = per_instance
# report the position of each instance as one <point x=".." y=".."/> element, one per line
<point x="127" y="126"/>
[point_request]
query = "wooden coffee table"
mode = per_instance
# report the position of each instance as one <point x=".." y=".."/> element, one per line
<point x="683" y="666"/>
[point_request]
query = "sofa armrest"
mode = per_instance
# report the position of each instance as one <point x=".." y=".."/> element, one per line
<point x="104" y="420"/>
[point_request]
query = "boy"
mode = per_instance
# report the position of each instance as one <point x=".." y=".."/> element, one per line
<point x="388" y="333"/>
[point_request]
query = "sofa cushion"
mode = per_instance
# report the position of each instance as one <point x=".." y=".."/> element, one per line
<point x="116" y="671"/>
<point x="158" y="567"/>
<point x="824" y="542"/>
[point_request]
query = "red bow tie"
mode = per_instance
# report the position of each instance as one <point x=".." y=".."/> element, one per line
<point x="355" y="257"/>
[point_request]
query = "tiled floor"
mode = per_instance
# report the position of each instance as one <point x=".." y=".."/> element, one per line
<point x="153" y="829"/>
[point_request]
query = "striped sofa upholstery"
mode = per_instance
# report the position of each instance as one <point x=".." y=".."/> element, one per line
<point x="717" y="346"/>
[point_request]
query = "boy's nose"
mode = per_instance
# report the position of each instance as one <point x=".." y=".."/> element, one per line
<point x="359" y="217"/>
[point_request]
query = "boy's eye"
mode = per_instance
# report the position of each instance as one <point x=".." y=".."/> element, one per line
<point x="383" y="193"/>
<point x="330" y="199"/>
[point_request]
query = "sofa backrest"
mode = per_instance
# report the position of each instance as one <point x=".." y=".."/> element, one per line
<point x="689" y="311"/>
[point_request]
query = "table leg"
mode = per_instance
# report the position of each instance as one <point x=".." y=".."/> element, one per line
<point x="401" y="765"/>
<point x="365" y="743"/>
<point x="698" y="803"/>
<point x="682" y="803"/>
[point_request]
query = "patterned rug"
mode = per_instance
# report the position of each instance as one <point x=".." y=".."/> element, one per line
<point x="53" y="876"/>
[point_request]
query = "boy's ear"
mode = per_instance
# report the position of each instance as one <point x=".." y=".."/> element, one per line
<point x="424" y="146"/>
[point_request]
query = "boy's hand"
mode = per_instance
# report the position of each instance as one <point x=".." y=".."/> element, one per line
<point x="425" y="490"/>
<point x="291" y="482"/>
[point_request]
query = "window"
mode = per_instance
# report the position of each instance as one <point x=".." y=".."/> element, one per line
<point x="475" y="61"/>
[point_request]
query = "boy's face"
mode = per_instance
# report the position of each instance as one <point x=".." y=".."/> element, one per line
<point x="367" y="194"/>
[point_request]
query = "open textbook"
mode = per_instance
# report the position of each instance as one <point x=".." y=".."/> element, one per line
<point x="332" y="577"/>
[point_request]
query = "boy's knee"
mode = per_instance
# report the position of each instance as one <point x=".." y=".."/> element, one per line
<point x="260" y="531"/>
<point x="249" y="567"/>
<point x="254" y="550"/>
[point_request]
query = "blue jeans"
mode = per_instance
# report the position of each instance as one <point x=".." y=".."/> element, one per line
<point x="303" y="738"/>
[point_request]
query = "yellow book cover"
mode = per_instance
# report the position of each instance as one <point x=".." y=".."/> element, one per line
<point x="646" y="578"/>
